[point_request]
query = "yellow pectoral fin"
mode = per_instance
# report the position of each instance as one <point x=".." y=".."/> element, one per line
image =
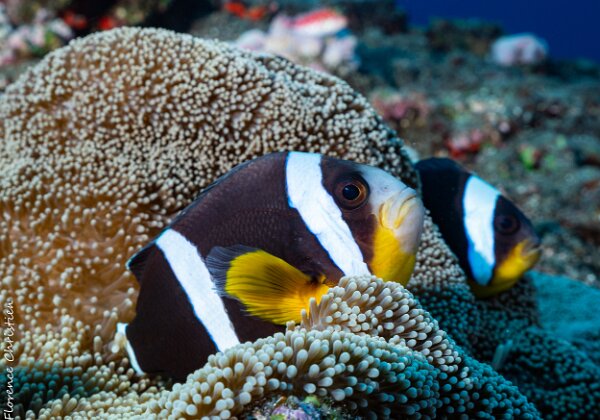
<point x="389" y="261"/>
<point x="269" y="287"/>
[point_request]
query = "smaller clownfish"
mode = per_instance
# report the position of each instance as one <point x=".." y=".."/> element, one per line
<point x="494" y="241"/>
<point x="252" y="250"/>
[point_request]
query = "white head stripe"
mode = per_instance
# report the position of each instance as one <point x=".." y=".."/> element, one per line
<point x="320" y="213"/>
<point x="130" y="353"/>
<point x="479" y="204"/>
<point x="194" y="278"/>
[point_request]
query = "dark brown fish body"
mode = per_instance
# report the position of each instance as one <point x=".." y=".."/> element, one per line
<point x="185" y="312"/>
<point x="260" y="217"/>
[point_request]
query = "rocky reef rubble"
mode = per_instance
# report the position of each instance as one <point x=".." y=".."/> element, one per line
<point x="319" y="39"/>
<point x="533" y="130"/>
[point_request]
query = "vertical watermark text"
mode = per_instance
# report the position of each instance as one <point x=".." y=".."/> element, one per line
<point x="8" y="341"/>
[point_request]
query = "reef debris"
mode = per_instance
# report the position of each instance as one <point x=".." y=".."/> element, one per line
<point x="43" y="34"/>
<point x="318" y="39"/>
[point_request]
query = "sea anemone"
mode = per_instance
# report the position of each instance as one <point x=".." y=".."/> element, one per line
<point x="371" y="306"/>
<point x="408" y="366"/>
<point x="108" y="138"/>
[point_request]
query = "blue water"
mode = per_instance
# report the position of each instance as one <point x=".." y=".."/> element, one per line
<point x="572" y="28"/>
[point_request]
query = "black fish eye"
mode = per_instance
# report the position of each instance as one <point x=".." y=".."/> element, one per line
<point x="351" y="192"/>
<point x="506" y="224"/>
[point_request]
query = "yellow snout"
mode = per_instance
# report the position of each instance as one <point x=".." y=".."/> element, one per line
<point x="520" y="259"/>
<point x="397" y="236"/>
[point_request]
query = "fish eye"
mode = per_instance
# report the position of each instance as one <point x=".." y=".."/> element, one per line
<point x="506" y="224"/>
<point x="351" y="193"/>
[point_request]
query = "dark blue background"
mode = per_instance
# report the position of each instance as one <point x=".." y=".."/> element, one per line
<point x="571" y="27"/>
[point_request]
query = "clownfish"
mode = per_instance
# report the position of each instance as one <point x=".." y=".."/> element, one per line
<point x="248" y="254"/>
<point x="495" y="243"/>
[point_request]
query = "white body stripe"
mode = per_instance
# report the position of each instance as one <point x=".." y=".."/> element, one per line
<point x="479" y="204"/>
<point x="304" y="184"/>
<point x="130" y="353"/>
<point x="192" y="274"/>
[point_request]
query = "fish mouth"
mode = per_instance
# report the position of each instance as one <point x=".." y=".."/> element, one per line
<point x="531" y="253"/>
<point x="403" y="213"/>
<point x="397" y="236"/>
<point x="395" y="209"/>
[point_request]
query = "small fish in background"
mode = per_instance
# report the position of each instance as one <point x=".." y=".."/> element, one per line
<point x="319" y="23"/>
<point x="494" y="241"/>
<point x="252" y="13"/>
<point x="248" y="254"/>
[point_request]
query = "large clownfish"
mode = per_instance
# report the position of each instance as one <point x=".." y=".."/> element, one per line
<point x="493" y="240"/>
<point x="248" y="254"/>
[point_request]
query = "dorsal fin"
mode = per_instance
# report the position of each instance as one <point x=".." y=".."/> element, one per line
<point x="137" y="263"/>
<point x="438" y="164"/>
<point x="211" y="186"/>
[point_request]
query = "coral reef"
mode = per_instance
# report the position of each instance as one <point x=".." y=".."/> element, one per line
<point x="472" y="35"/>
<point x="95" y="160"/>
<point x="30" y="29"/>
<point x="107" y="158"/>
<point x="45" y="33"/>
<point x="567" y="209"/>
<point x="482" y="113"/>
<point x="400" y="110"/>
<point x="318" y="39"/>
<point x="25" y="12"/>
<point x="237" y="17"/>
<point x="108" y="138"/>
<point x="288" y="408"/>
<point x="531" y="130"/>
